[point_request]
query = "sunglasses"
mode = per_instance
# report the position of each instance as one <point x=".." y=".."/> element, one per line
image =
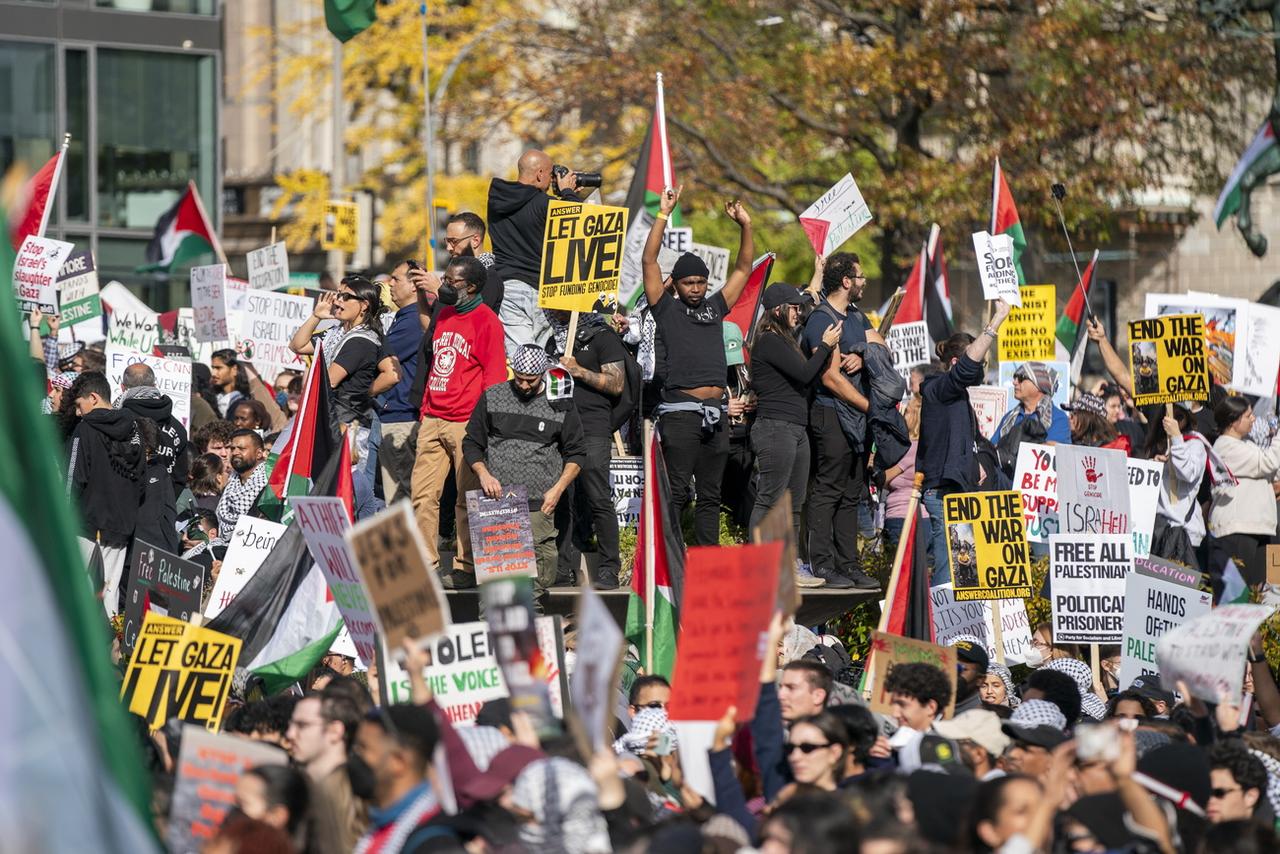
<point x="806" y="748"/>
<point x="1222" y="793"/>
<point x="344" y="297"/>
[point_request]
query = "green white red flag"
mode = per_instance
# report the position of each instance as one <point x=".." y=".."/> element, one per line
<point x="658" y="543"/>
<point x="1004" y="218"/>
<point x="1072" y="339"/>
<point x="183" y="234"/>
<point x="1264" y="142"/>
<point x="32" y="214"/>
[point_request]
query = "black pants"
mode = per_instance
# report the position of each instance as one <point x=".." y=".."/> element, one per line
<point x="834" y="496"/>
<point x="1249" y="551"/>
<point x="695" y="456"/>
<point x="738" y="486"/>
<point x="587" y="505"/>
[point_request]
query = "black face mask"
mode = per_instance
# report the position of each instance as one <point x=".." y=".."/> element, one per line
<point x="363" y="783"/>
<point x="448" y="295"/>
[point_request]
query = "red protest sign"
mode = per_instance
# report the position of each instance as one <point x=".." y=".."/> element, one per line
<point x="729" y="595"/>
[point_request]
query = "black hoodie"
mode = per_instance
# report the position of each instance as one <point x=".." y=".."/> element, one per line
<point x="171" y="441"/>
<point x="106" y="475"/>
<point x="517" y="226"/>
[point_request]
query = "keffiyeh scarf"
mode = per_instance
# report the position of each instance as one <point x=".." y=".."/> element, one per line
<point x="563" y="800"/>
<point x="1090" y="703"/>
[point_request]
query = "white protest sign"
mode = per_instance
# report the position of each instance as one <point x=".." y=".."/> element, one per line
<point x="1157" y="597"/>
<point x="951" y="619"/>
<point x="1145" y="480"/>
<point x="251" y="542"/>
<point x="78" y="296"/>
<point x="209" y="302"/>
<point x="268" y="267"/>
<point x="717" y="260"/>
<point x="835" y="216"/>
<point x="1093" y="490"/>
<point x="173" y="376"/>
<point x="631" y="279"/>
<point x="1208" y="653"/>
<point x="1258" y="359"/>
<point x="626" y="480"/>
<point x="591" y="687"/>
<point x="990" y="403"/>
<point x="463" y="674"/>
<point x="1089" y="573"/>
<point x="234" y="291"/>
<point x="1035" y="477"/>
<point x="995" y="267"/>
<point x="909" y="344"/>
<point x="269" y="321"/>
<point x="35" y="272"/>
<point x="678" y="239"/>
<point x="133" y="330"/>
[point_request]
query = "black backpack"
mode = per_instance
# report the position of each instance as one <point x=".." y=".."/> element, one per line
<point x="632" y="382"/>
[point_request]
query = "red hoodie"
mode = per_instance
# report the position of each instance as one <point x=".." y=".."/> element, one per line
<point x="468" y="358"/>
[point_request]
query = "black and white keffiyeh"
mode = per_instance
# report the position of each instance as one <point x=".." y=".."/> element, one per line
<point x="238" y="496"/>
<point x="1090" y="703"/>
<point x="1031" y="713"/>
<point x="563" y="800"/>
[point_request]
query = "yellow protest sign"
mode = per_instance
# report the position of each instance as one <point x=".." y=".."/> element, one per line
<point x="1167" y="359"/>
<point x="341" y="226"/>
<point x="581" y="255"/>
<point x="987" y="546"/>
<point x="179" y="670"/>
<point x="1028" y="332"/>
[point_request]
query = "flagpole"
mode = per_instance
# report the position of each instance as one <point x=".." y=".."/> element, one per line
<point x="668" y="177"/>
<point x="650" y="584"/>
<point x="895" y="576"/>
<point x="53" y="187"/>
<point x="1059" y="192"/>
<point x="213" y="232"/>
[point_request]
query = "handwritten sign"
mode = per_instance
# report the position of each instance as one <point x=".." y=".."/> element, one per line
<point x="1157" y="597"/>
<point x="209" y="767"/>
<point x="717" y="260"/>
<point x="173" y="376"/>
<point x="909" y="345"/>
<point x="501" y="534"/>
<point x="581" y="255"/>
<point x="888" y="651"/>
<point x="1028" y="333"/>
<point x="835" y="217"/>
<point x="987" y="546"/>
<point x="1167" y="359"/>
<point x="1035" y="477"/>
<point x="1145" y="479"/>
<point x="1208" y="652"/>
<point x="269" y="267"/>
<point x="79" y="296"/>
<point x="160" y="582"/>
<point x="209" y="301"/>
<point x="269" y="321"/>
<point x="1093" y="490"/>
<point x="179" y="670"/>
<point x="1089" y="574"/>
<point x="951" y="619"/>
<point x="35" y="273"/>
<point x="251" y="542"/>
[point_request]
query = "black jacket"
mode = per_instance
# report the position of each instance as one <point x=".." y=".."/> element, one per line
<point x="517" y="226"/>
<point x="946" y="452"/>
<point x="158" y="515"/>
<point x="107" y="475"/>
<point x="171" y="441"/>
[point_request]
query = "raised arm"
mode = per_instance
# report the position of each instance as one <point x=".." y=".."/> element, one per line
<point x="649" y="260"/>
<point x="1115" y="365"/>
<point x="301" y="341"/>
<point x="746" y="253"/>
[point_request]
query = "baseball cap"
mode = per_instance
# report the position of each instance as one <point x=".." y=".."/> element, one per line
<point x="1149" y="686"/>
<point x="502" y="772"/>
<point x="780" y="293"/>
<point x="976" y="725"/>
<point x="1037" y="722"/>
<point x="972" y="652"/>
<point x="733" y="344"/>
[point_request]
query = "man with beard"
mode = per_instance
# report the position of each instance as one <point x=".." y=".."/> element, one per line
<point x="247" y="459"/>
<point x="463" y="238"/>
<point x="516" y="436"/>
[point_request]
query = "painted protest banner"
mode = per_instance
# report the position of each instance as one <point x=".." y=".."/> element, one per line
<point x="776" y="527"/>
<point x="204" y="788"/>
<point x="887" y="651"/>
<point x="268" y="267"/>
<point x="626" y="481"/>
<point x="987" y="546"/>
<point x="1093" y="490"/>
<point x="159" y="582"/>
<point x="251" y="542"/>
<point x="717" y="260"/>
<point x="1158" y="596"/>
<point x="833" y="219"/>
<point x="951" y="619"/>
<point x="408" y="602"/>
<point x="507" y="604"/>
<point x="593" y="685"/>
<point x="179" y="670"/>
<point x="324" y="523"/>
<point x="1222" y="339"/>
<point x="1059" y="371"/>
<point x="173" y="376"/>
<point x="501" y="534"/>
<point x="1089" y="573"/>
<point x="209" y="302"/>
<point x="1257" y="358"/>
<point x="1208" y="652"/>
<point x="1028" y="333"/>
<point x="909" y="345"/>
<point x="35" y="273"/>
<point x="1035" y="477"/>
<point x="78" y="295"/>
<point x="677" y="239"/>
<point x="729" y="595"/>
<point x="269" y="321"/>
<point x="1145" y="480"/>
<point x="581" y="255"/>
<point x="1167" y="359"/>
<point x="990" y="403"/>
<point x="996" y="268"/>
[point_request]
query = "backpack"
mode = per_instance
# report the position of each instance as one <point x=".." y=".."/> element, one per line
<point x="632" y="382"/>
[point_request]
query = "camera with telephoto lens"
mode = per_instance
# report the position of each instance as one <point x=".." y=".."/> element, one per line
<point x="585" y="179"/>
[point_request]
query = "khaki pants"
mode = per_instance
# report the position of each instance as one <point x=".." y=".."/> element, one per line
<point x="439" y="453"/>
<point x="543" y="528"/>
<point x="396" y="459"/>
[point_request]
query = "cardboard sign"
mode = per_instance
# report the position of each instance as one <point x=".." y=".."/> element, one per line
<point x="833" y="219"/>
<point x="341" y="226"/>
<point x="910" y="345"/>
<point x="209" y="302"/>
<point x="1222" y="315"/>
<point x="1145" y="480"/>
<point x="251" y="542"/>
<point x="775" y="527"/>
<point x="173" y="376"/>
<point x="987" y="546"/>
<point x="891" y="650"/>
<point x="1273" y="564"/>
<point x="951" y="619"/>
<point x="1257" y="360"/>
<point x="268" y="267"/>
<point x="996" y="269"/>
<point x="35" y="273"/>
<point x="507" y="604"/>
<point x="717" y="260"/>
<point x="269" y="321"/>
<point x="1167" y="359"/>
<point x="78" y="289"/>
<point x="501" y="534"/>
<point x="1060" y="371"/>
<point x="990" y="403"/>
<point x="204" y="786"/>
<point x="403" y="587"/>
<point x="1028" y="333"/>
<point x="1089" y="574"/>
<point x="1035" y="477"/>
<point x="677" y="239"/>
<point x="729" y="596"/>
<point x="1093" y="490"/>
<point x="626" y="480"/>
<point x="1208" y="653"/>
<point x="581" y="255"/>
<point x="179" y="670"/>
<point x="1156" y="599"/>
<point x="159" y="582"/>
<point x="592" y="687"/>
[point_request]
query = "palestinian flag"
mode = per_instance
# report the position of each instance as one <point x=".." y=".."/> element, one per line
<point x="72" y="778"/>
<point x="658" y="541"/>
<point x="910" y="338"/>
<point x="1004" y="218"/>
<point x="746" y="311"/>
<point x="937" y="288"/>
<point x="912" y="307"/>
<point x="559" y="384"/>
<point x="312" y="441"/>
<point x="654" y="173"/>
<point x="1073" y="341"/>
<point x="1264" y="143"/>
<point x="911" y="611"/>
<point x="183" y="234"/>
<point x="32" y="213"/>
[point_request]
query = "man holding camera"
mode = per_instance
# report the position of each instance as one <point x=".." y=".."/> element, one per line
<point x="517" y="225"/>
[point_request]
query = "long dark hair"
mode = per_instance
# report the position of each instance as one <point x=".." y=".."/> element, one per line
<point x="203" y="477"/>
<point x="228" y="357"/>
<point x="371" y="295"/>
<point x="1228" y="411"/>
<point x="1157" y="441"/>
<point x="773" y="322"/>
<point x="1092" y="429"/>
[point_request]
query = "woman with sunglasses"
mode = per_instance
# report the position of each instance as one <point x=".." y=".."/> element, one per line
<point x="815" y="749"/>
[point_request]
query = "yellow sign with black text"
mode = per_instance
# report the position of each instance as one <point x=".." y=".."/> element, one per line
<point x="179" y="670"/>
<point x="581" y="255"/>
<point x="1028" y="333"/>
<point x="1168" y="360"/>
<point x="987" y="546"/>
<point x="341" y="226"/>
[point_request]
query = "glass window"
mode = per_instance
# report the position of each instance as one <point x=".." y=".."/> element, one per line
<point x="75" y="173"/>
<point x="190" y="7"/>
<point x="156" y="131"/>
<point x="28" y="122"/>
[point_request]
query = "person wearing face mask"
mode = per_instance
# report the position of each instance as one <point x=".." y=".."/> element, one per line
<point x="516" y="436"/>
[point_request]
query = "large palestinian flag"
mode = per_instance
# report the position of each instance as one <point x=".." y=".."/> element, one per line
<point x="183" y="233"/>
<point x="654" y="173"/>
<point x="1004" y="218"/>
<point x="747" y="310"/>
<point x="1264" y="141"/>
<point x="31" y="214"/>
<point x="309" y="441"/>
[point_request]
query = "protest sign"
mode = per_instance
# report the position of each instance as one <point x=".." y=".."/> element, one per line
<point x="209" y="301"/>
<point x="162" y="582"/>
<point x="1167" y="359"/>
<point x="269" y="321"/>
<point x="250" y="543"/>
<point x="35" y="273"/>
<point x="909" y="345"/>
<point x="1093" y="490"/>
<point x="592" y="687"/>
<point x="1028" y="333"/>
<point x="268" y="267"/>
<point x="834" y="217"/>
<point x="179" y="670"/>
<point x="951" y="619"/>
<point x="1221" y="327"/>
<point x="990" y="403"/>
<point x="463" y="674"/>
<point x="1273" y="564"/>
<point x="729" y="596"/>
<point x="550" y="632"/>
<point x="235" y="291"/>
<point x="1060" y="372"/>
<point x="776" y="527"/>
<point x="324" y="523"/>
<point x="1208" y="652"/>
<point x="717" y="260"/>
<point x="78" y="296"/>
<point x="403" y="587"/>
<point x="889" y="650"/>
<point x="1035" y="477"/>
<point x="134" y="330"/>
<point x="1257" y="356"/>
<point x="996" y="269"/>
<point x="507" y="604"/>
<point x="341" y="226"/>
<point x="677" y="239"/>
<point x="1145" y="479"/>
<point x="204" y="787"/>
<point x="581" y="255"/>
<point x="987" y="546"/>
<point x="1158" y="596"/>
<point x="173" y="376"/>
<point x="626" y="480"/>
<point x="501" y="534"/>
<point x="1089" y="573"/>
